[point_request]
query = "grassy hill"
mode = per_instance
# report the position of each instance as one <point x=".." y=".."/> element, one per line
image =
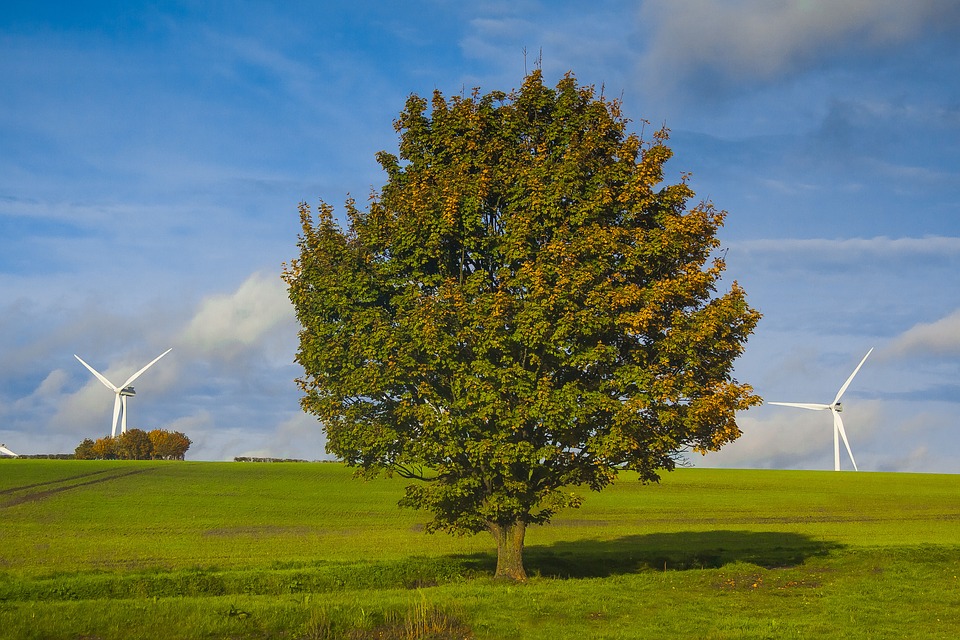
<point x="301" y="550"/>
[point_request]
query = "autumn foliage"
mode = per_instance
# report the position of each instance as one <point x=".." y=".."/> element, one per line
<point x="136" y="444"/>
<point x="524" y="309"/>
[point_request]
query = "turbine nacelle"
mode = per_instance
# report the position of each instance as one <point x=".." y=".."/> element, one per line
<point x="127" y="392"/>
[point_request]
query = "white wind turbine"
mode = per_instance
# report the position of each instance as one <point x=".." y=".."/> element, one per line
<point x="123" y="392"/>
<point x="835" y="408"/>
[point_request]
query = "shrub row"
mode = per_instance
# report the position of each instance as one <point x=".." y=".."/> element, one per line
<point x="44" y="456"/>
<point x="248" y="459"/>
<point x="410" y="573"/>
<point x="136" y="444"/>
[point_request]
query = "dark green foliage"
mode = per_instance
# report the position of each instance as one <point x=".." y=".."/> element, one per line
<point x="409" y="573"/>
<point x="84" y="450"/>
<point x="134" y="445"/>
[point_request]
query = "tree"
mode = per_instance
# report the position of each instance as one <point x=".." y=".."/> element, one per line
<point x="104" y="448"/>
<point x="177" y="445"/>
<point x="84" y="450"/>
<point x="522" y="310"/>
<point x="168" y="445"/>
<point x="134" y="444"/>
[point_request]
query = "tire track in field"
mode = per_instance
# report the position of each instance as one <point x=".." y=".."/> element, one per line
<point x="43" y="495"/>
<point x="57" y="481"/>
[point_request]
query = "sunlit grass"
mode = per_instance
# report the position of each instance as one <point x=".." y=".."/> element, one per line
<point x="194" y="550"/>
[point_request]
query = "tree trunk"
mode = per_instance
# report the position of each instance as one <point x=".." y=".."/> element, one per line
<point x="509" y="539"/>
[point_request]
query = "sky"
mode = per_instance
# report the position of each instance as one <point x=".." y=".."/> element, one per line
<point x="153" y="154"/>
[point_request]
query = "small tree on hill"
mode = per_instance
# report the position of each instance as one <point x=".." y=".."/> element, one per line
<point x="105" y="448"/>
<point x="522" y="310"/>
<point x="133" y="444"/>
<point x="167" y="445"/>
<point x="84" y="450"/>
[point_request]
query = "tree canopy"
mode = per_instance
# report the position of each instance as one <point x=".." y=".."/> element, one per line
<point x="524" y="308"/>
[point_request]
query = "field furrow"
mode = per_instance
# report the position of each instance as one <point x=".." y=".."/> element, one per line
<point x="67" y="484"/>
<point x="34" y="485"/>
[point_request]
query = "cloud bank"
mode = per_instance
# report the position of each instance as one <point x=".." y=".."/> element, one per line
<point x="227" y="324"/>
<point x="756" y="41"/>
<point x="940" y="339"/>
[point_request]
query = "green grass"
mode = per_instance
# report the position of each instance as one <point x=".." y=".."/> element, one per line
<point x="291" y="550"/>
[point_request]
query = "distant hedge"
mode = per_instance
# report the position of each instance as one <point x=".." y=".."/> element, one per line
<point x="247" y="459"/>
<point x="44" y="456"/>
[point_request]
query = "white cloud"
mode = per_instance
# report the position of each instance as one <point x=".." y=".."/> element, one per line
<point x="196" y="422"/>
<point x="757" y="40"/>
<point x="302" y="434"/>
<point x="938" y="338"/>
<point x="300" y="437"/>
<point x="47" y="392"/>
<point x="793" y="440"/>
<point x="227" y="324"/>
<point x="855" y="248"/>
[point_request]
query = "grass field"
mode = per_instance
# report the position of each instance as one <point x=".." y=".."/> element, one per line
<point x="301" y="550"/>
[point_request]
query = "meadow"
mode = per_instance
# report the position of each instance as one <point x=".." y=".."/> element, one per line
<point x="113" y="549"/>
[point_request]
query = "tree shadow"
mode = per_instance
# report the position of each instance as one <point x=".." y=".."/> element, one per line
<point x="677" y="551"/>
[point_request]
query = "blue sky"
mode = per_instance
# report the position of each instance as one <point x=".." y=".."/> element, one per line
<point x="152" y="156"/>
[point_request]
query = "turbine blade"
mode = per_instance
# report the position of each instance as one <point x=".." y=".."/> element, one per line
<point x="838" y="425"/>
<point x="850" y="379"/>
<point x="116" y="414"/>
<point x="137" y="374"/>
<point x="106" y="383"/>
<point x="803" y="405"/>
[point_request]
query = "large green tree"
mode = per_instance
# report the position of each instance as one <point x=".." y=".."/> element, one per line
<point x="523" y="309"/>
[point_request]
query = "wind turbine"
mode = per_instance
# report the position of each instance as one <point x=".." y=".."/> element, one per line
<point x="835" y="408"/>
<point x="123" y="392"/>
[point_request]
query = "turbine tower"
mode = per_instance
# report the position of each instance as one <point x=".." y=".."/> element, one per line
<point x="123" y="392"/>
<point x="835" y="408"/>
